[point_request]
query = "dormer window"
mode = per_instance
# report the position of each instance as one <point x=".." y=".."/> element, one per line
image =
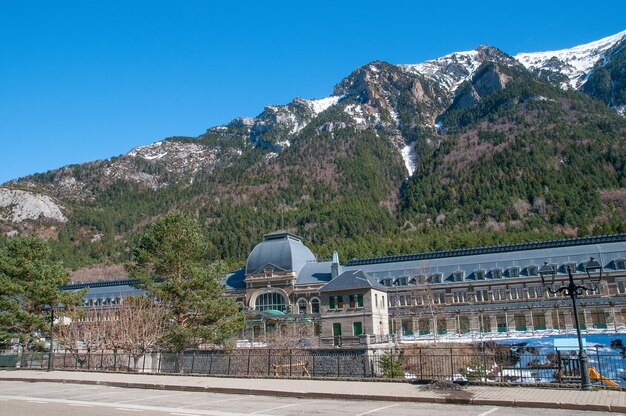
<point x="620" y="264"/>
<point x="513" y="272"/>
<point x="496" y="273"/>
<point x="402" y="281"/>
<point x="435" y="278"/>
<point x="457" y="276"/>
<point x="532" y="270"/>
<point x="479" y="274"/>
<point x="387" y="282"/>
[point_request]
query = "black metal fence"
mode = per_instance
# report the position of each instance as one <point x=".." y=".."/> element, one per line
<point x="483" y="363"/>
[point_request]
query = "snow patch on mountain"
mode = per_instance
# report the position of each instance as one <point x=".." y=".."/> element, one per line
<point x="356" y="112"/>
<point x="450" y="70"/>
<point x="576" y="63"/>
<point x="322" y="104"/>
<point x="408" y="155"/>
<point x="17" y="206"/>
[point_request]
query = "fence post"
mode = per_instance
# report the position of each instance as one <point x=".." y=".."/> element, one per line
<point x="290" y="353"/>
<point x="391" y="365"/>
<point x="313" y="373"/>
<point x="249" y="351"/>
<point x="228" y="369"/>
<point x="598" y="358"/>
<point x="211" y="362"/>
<point x="451" y="366"/>
<point x="337" y="365"/>
<point x="365" y="365"/>
<point x="64" y="356"/>
<point x="269" y="360"/>
<point x="193" y="361"/>
<point x="484" y="362"/>
<point x="421" y="364"/>
<point x="143" y="364"/>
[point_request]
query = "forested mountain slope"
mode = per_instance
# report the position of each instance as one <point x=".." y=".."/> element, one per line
<point x="472" y="148"/>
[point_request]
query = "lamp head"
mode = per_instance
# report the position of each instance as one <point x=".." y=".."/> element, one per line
<point x="548" y="274"/>
<point x="594" y="270"/>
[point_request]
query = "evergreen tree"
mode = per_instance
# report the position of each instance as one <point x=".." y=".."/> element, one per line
<point x="29" y="286"/>
<point x="170" y="263"/>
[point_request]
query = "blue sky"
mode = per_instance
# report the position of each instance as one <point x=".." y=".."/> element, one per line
<point x="86" y="80"/>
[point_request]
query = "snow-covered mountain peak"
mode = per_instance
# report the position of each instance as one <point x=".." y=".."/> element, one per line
<point x="575" y="63"/>
<point x="450" y="70"/>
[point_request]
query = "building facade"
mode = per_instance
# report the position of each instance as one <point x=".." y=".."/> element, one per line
<point x="477" y="292"/>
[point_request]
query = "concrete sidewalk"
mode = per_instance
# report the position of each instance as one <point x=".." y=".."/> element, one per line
<point x="602" y="400"/>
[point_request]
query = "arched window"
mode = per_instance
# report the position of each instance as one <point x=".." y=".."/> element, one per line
<point x="315" y="305"/>
<point x="301" y="306"/>
<point x="273" y="301"/>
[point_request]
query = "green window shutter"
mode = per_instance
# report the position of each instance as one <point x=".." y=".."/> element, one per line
<point x="357" y="327"/>
<point x="359" y="301"/>
<point x="331" y="302"/>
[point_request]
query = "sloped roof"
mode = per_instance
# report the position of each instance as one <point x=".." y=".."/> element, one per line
<point x="314" y="272"/>
<point x="235" y="280"/>
<point x="350" y="280"/>
<point x="281" y="250"/>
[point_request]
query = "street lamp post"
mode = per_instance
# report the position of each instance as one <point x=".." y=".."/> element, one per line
<point x="594" y="273"/>
<point x="51" y="335"/>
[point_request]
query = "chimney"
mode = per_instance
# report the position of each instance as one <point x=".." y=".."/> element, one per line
<point x="335" y="267"/>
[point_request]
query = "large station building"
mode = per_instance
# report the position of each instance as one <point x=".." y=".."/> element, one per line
<point x="477" y="292"/>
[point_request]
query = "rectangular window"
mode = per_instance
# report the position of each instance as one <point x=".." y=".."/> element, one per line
<point x="442" y="326"/>
<point x="359" y="301"/>
<point x="558" y="319"/>
<point x="339" y="302"/>
<point x="407" y="327"/>
<point x="382" y="303"/>
<point x="517" y="293"/>
<point x="435" y="278"/>
<point x="439" y="298"/>
<point x="424" y="326"/>
<point x="598" y="318"/>
<point x="514" y="272"/>
<point x="539" y="321"/>
<point x="458" y="297"/>
<point x="375" y="300"/>
<point x="621" y="286"/>
<point x="486" y="324"/>
<point x="499" y="294"/>
<point x="481" y="295"/>
<point x="520" y="322"/>
<point x="501" y="323"/>
<point x="496" y="274"/>
<point x="357" y="328"/>
<point x="457" y="276"/>
<point x="352" y="299"/>
<point x="331" y="303"/>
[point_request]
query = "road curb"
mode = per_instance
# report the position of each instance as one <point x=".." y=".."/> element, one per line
<point x="343" y="396"/>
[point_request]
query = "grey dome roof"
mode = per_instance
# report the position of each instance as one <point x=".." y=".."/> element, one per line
<point x="281" y="250"/>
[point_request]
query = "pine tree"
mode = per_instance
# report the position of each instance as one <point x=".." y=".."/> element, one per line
<point x="169" y="261"/>
<point x="29" y="287"/>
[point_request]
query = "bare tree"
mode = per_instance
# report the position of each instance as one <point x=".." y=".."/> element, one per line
<point x="82" y="330"/>
<point x="136" y="326"/>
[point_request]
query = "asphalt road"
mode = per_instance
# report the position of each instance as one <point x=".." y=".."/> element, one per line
<point x="54" y="399"/>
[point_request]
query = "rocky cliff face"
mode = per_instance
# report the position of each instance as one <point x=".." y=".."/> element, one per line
<point x="392" y="108"/>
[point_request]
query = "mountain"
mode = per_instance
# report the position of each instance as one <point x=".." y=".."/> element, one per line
<point x="475" y="147"/>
